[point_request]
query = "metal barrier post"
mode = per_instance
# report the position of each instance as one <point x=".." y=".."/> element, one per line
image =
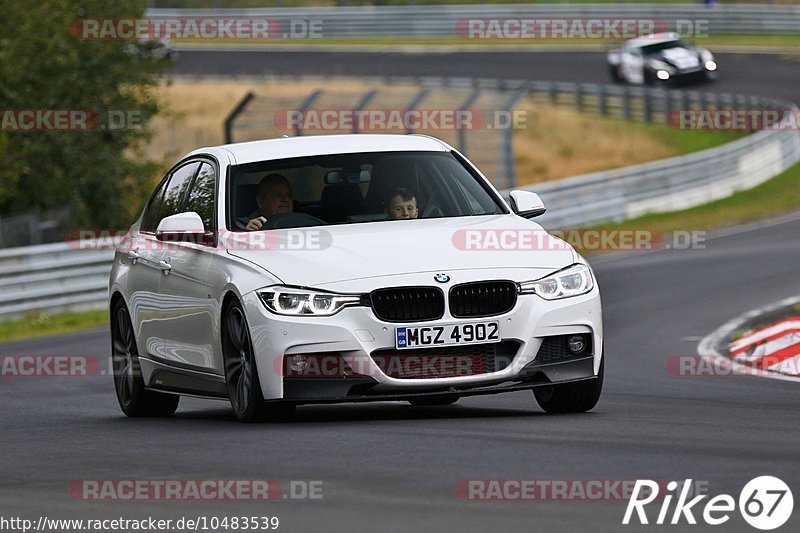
<point x="626" y="103"/>
<point x="304" y="105"/>
<point x="602" y="104"/>
<point x="462" y="136"/>
<point x="507" y="167"/>
<point x="231" y="118"/>
<point x="365" y="100"/>
<point x="418" y="98"/>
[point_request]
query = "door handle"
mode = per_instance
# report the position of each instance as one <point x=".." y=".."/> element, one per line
<point x="165" y="266"/>
<point x="133" y="255"/>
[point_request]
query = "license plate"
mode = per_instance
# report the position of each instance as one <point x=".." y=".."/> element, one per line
<point x="446" y="335"/>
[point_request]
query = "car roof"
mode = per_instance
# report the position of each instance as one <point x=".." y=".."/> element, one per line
<point x="287" y="147"/>
<point x="654" y="38"/>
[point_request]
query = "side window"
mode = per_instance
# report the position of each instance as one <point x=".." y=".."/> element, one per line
<point x="175" y="193"/>
<point x="201" y="197"/>
<point x="151" y="214"/>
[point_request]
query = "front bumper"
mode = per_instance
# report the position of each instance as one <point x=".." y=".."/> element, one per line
<point x="354" y="334"/>
<point x="367" y="389"/>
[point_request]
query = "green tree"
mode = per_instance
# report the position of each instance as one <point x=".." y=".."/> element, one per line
<point x="100" y="173"/>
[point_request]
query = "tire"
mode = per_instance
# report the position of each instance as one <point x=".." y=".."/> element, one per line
<point x="134" y="399"/>
<point x="434" y="400"/>
<point x="575" y="397"/>
<point x="241" y="373"/>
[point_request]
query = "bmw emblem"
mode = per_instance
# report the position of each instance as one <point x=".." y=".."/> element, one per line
<point x="441" y="278"/>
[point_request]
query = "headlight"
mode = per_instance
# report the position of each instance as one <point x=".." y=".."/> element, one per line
<point x="572" y="281"/>
<point x="711" y="65"/>
<point x="300" y="302"/>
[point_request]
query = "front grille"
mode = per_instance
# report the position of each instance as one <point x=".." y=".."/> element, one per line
<point x="447" y="362"/>
<point x="483" y="298"/>
<point x="554" y="349"/>
<point x="408" y="304"/>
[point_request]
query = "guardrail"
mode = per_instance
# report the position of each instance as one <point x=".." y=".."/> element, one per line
<point x="669" y="184"/>
<point x="441" y="21"/>
<point x="52" y="277"/>
<point x="61" y="276"/>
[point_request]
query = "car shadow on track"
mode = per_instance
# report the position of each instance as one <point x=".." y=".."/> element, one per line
<point x="386" y="412"/>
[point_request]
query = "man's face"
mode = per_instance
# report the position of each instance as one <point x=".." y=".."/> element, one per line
<point x="400" y="209"/>
<point x="277" y="198"/>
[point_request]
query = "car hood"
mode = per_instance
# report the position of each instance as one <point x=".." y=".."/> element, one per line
<point x="340" y="253"/>
<point x="679" y="58"/>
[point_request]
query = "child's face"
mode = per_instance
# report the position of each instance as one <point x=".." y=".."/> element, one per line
<point x="399" y="208"/>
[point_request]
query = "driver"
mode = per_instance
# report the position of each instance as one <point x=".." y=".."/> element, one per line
<point x="274" y="196"/>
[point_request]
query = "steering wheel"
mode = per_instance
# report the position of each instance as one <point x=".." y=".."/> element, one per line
<point x="292" y="220"/>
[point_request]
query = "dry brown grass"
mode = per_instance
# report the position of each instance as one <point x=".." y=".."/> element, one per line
<point x="556" y="143"/>
<point x="560" y="142"/>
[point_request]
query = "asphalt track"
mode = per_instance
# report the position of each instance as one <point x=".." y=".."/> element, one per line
<point x="392" y="467"/>
<point x="774" y="75"/>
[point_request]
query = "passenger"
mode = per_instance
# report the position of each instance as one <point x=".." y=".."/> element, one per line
<point x="402" y="204"/>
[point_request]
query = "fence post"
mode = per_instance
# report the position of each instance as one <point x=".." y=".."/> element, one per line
<point x="626" y="103"/>
<point x="602" y="104"/>
<point x="507" y="150"/>
<point x="668" y="107"/>
<point x="233" y="115"/>
<point x="365" y="100"/>
<point x="418" y="98"/>
<point x="647" y="106"/>
<point x="304" y="105"/>
<point x="462" y="136"/>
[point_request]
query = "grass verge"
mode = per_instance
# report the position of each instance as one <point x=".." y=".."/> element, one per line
<point x="45" y="324"/>
<point x="778" y="196"/>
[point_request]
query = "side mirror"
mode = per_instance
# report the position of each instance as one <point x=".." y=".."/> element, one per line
<point x="181" y="227"/>
<point x="527" y="204"/>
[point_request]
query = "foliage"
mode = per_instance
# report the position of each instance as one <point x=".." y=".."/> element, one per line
<point x="100" y="173"/>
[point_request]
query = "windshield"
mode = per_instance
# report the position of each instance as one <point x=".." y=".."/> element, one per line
<point x="658" y="47"/>
<point x="354" y="188"/>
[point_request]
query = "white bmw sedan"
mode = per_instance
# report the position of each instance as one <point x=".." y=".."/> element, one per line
<point x="347" y="268"/>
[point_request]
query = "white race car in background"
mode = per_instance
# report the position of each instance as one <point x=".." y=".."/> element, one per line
<point x="660" y="58"/>
<point x="374" y="310"/>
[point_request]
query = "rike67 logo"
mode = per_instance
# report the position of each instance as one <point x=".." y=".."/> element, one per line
<point x="765" y="503"/>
